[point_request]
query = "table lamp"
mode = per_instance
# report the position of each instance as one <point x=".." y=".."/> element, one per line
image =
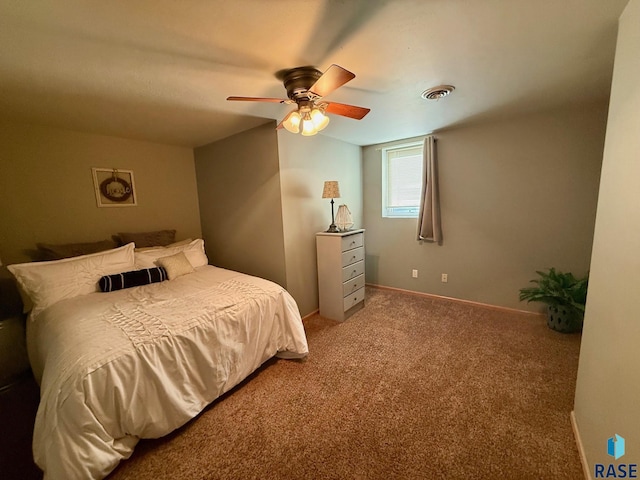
<point x="331" y="190"/>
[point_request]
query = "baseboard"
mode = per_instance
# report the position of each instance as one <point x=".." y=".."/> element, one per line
<point x="309" y="315"/>
<point x="583" y="457"/>
<point x="458" y="300"/>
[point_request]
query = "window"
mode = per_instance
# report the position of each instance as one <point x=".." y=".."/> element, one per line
<point x="401" y="180"/>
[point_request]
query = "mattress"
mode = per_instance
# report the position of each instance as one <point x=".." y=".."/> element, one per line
<point x="138" y="363"/>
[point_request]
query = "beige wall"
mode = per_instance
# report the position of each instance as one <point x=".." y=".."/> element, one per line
<point x="47" y="193"/>
<point x="608" y="389"/>
<point x="516" y="196"/>
<point x="240" y="205"/>
<point x="305" y="164"/>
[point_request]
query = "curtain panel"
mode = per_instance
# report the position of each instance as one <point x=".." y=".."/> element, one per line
<point x="429" y="228"/>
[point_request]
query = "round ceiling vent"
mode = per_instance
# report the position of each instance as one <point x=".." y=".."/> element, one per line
<point x="436" y="93"/>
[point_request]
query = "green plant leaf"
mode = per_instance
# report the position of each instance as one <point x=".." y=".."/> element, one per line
<point x="558" y="289"/>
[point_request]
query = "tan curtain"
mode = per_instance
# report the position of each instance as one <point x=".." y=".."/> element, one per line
<point x="429" y="228"/>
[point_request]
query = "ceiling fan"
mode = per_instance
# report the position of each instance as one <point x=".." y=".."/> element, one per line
<point x="306" y="87"/>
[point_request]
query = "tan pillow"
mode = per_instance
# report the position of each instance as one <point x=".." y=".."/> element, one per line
<point x="159" y="238"/>
<point x="186" y="241"/>
<point x="50" y="251"/>
<point x="176" y="265"/>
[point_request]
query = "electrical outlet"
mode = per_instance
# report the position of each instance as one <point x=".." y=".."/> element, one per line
<point x="445" y="278"/>
<point x="414" y="273"/>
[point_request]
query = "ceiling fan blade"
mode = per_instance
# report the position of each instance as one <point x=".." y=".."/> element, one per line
<point x="350" y="111"/>
<point x="335" y="76"/>
<point x="256" y="99"/>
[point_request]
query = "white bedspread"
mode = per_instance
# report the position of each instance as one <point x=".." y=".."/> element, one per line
<point x="138" y="363"/>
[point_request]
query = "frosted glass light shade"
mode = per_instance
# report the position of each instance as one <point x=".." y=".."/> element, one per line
<point x="292" y="122"/>
<point x="331" y="189"/>
<point x="308" y="128"/>
<point x="319" y="119"/>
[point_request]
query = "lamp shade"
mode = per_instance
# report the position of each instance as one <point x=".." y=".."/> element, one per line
<point x="308" y="127"/>
<point x="344" y="220"/>
<point x="331" y="189"/>
<point x="319" y="119"/>
<point x="292" y="122"/>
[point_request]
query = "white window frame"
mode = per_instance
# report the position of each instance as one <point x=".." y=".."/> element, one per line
<point x="398" y="211"/>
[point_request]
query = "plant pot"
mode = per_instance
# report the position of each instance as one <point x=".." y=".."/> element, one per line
<point x="563" y="319"/>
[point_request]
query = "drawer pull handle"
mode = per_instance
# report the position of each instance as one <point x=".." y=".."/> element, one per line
<point x="353" y="243"/>
<point x="353" y="256"/>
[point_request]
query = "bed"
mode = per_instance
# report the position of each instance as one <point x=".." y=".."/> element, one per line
<point x="115" y="367"/>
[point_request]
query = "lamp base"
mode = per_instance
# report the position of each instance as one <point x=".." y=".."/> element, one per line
<point x="332" y="227"/>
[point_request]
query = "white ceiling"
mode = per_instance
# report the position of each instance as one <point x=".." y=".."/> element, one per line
<point x="160" y="70"/>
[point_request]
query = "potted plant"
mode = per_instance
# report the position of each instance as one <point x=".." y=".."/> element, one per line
<point x="565" y="296"/>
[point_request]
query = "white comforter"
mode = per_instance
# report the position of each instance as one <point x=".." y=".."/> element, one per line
<point x="138" y="363"/>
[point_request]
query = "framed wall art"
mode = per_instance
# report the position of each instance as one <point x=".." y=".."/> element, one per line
<point x="114" y="187"/>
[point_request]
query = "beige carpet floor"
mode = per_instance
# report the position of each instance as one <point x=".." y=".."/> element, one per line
<point x="407" y="388"/>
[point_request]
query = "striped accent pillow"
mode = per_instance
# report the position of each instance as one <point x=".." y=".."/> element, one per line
<point x="135" y="278"/>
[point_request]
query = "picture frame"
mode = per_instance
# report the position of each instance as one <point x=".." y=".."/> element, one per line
<point x="114" y="187"/>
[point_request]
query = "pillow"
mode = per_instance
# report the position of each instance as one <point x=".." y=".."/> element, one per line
<point x="44" y="283"/>
<point x="194" y="252"/>
<point x="50" y="251"/>
<point x="186" y="241"/>
<point x="176" y="265"/>
<point x="135" y="278"/>
<point x="159" y="238"/>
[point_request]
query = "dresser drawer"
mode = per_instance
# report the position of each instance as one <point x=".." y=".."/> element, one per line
<point x="352" y="256"/>
<point x="352" y="285"/>
<point x="352" y="241"/>
<point x="352" y="271"/>
<point x="353" y="299"/>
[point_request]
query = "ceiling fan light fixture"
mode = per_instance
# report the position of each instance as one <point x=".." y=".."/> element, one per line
<point x="319" y="119"/>
<point x="308" y="128"/>
<point x="292" y="121"/>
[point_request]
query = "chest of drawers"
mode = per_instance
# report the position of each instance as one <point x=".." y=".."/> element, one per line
<point x="340" y="273"/>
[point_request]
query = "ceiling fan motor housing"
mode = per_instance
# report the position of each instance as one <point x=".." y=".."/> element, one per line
<point x="299" y="80"/>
